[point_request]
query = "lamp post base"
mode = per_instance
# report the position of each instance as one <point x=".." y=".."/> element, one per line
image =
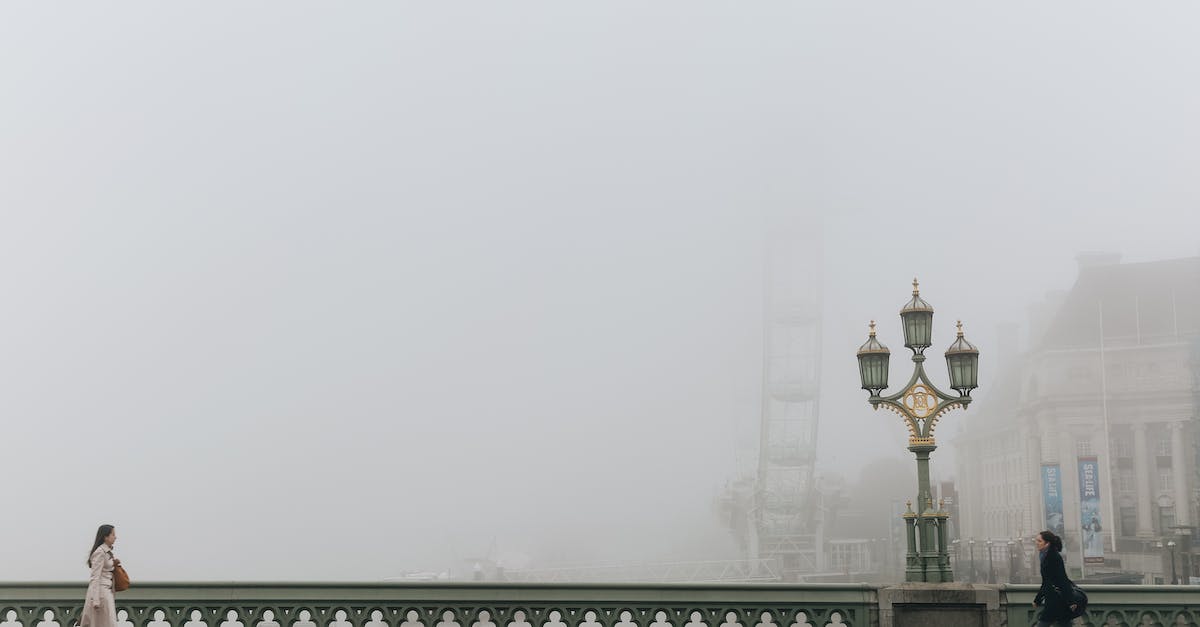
<point x="928" y="557"/>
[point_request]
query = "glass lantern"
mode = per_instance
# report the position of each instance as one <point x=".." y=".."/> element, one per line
<point x="873" y="361"/>
<point x="917" y="316"/>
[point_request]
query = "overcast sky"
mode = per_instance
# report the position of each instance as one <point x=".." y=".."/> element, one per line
<point x="338" y="291"/>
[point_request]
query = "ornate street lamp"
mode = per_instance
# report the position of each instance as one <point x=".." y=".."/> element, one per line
<point x="920" y="403"/>
<point x="1159" y="546"/>
<point x="957" y="554"/>
<point x="1171" y="549"/>
<point x="1012" y="562"/>
<point x="991" y="562"/>
<point x="971" y="546"/>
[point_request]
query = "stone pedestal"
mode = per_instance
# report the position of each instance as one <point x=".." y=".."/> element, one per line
<point x="940" y="605"/>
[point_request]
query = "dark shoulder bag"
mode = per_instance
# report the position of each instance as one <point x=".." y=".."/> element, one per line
<point x="1080" y="599"/>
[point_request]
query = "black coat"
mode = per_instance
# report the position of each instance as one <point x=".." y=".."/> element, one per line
<point x="1056" y="588"/>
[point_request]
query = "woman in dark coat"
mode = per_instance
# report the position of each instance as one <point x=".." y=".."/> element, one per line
<point x="1056" y="590"/>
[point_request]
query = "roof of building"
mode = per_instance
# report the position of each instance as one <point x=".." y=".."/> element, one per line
<point x="1135" y="303"/>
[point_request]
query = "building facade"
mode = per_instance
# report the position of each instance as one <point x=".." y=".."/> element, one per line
<point x="1093" y="430"/>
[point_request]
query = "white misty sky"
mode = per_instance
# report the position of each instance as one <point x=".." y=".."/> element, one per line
<point x="337" y="292"/>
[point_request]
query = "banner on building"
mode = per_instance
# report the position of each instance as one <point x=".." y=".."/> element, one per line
<point x="1089" y="510"/>
<point x="1052" y="498"/>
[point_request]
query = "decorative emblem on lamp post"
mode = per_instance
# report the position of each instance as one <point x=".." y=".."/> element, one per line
<point x="920" y="403"/>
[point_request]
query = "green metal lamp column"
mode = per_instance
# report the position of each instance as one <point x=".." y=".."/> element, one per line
<point x="920" y="403"/>
<point x="930" y="562"/>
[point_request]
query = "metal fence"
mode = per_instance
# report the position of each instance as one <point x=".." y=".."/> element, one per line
<point x="450" y="605"/>
<point x="546" y="605"/>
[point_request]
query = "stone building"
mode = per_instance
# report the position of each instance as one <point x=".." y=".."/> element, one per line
<point x="1112" y="372"/>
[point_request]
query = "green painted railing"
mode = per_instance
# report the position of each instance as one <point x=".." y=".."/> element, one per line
<point x="545" y="605"/>
<point x="1116" y="606"/>
<point x="450" y="605"/>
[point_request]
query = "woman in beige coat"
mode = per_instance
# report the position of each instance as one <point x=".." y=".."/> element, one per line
<point x="99" y="608"/>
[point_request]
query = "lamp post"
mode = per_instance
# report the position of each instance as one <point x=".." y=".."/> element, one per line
<point x="957" y="553"/>
<point x="971" y="573"/>
<point x="1159" y="546"/>
<point x="1184" y="536"/>
<point x="921" y="404"/>
<point x="1012" y="562"/>
<point x="991" y="562"/>
<point x="1171" y="550"/>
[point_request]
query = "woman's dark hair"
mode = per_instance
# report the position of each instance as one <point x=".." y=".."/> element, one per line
<point x="1054" y="541"/>
<point x="101" y="534"/>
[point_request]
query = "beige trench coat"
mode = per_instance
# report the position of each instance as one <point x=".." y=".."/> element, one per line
<point x="99" y="608"/>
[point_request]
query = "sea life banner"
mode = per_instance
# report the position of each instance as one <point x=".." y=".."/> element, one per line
<point x="1089" y="510"/>
<point x="1052" y="498"/>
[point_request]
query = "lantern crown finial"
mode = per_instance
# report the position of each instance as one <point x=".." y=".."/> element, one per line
<point x="916" y="303"/>
<point x="872" y="345"/>
<point x="961" y="345"/>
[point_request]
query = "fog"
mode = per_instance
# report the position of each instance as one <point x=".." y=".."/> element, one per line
<point x="304" y="291"/>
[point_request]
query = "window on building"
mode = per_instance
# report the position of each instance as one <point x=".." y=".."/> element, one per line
<point x="1166" y="518"/>
<point x="1083" y="448"/>
<point x="1125" y="481"/>
<point x="1163" y="449"/>
<point x="1166" y="479"/>
<point x="1128" y="521"/>
<point x="1122" y="447"/>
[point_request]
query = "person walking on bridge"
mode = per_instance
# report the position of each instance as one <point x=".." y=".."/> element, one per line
<point x="1057" y="590"/>
<point x="100" y="608"/>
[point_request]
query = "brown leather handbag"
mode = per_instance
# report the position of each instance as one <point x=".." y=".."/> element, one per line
<point x="120" y="578"/>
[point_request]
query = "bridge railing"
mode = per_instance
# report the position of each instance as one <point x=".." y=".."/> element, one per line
<point x="1115" y="605"/>
<point x="450" y="605"/>
<point x="551" y="605"/>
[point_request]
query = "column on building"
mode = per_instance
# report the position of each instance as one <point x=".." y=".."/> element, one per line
<point x="1179" y="474"/>
<point x="1069" y="480"/>
<point x="1141" y="470"/>
<point x="1035" y="515"/>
